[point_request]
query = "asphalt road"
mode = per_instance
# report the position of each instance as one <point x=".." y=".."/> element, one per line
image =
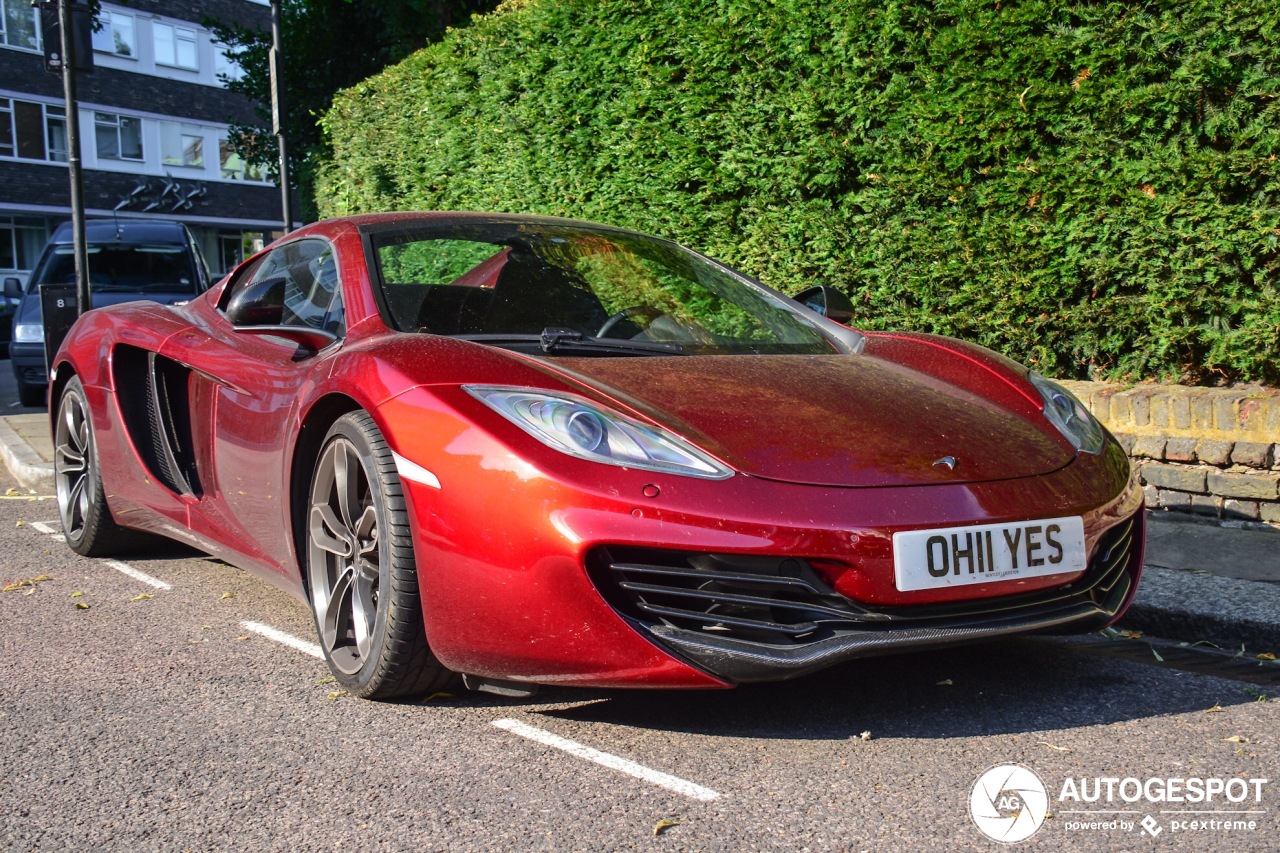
<point x="148" y="711"/>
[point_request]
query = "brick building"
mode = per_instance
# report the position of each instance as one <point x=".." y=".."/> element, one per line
<point x="153" y="130"/>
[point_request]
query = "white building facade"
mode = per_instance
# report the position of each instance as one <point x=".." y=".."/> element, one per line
<point x="154" y="120"/>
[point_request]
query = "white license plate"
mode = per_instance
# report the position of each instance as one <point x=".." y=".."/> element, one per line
<point x="982" y="553"/>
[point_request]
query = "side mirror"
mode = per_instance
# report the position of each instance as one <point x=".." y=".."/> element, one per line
<point x="828" y="302"/>
<point x="12" y="288"/>
<point x="258" y="304"/>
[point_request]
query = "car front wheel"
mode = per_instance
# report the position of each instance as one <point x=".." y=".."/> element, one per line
<point x="361" y="573"/>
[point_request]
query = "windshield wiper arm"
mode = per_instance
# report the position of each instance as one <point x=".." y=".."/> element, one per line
<point x="555" y="339"/>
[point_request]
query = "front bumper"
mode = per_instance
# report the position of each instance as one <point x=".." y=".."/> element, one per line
<point x="28" y="363"/>
<point x="766" y="619"/>
<point x="524" y="553"/>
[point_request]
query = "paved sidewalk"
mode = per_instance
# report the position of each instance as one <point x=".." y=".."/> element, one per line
<point x="27" y="450"/>
<point x="1202" y="582"/>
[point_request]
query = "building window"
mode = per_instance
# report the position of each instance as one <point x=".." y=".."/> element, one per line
<point x="116" y="35"/>
<point x="31" y="131"/>
<point x="55" y="124"/>
<point x="181" y="145"/>
<point x="234" y="248"/>
<point x="175" y="46"/>
<point x="225" y="68"/>
<point x="18" y="25"/>
<point x="118" y="137"/>
<point x="234" y="168"/>
<point x="21" y="239"/>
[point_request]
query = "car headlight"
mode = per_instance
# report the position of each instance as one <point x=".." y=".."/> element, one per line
<point x="28" y="333"/>
<point x="1072" y="418"/>
<point x="579" y="428"/>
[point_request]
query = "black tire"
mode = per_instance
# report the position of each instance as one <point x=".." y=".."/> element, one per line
<point x="82" y="506"/>
<point x="31" y="395"/>
<point x="361" y="573"/>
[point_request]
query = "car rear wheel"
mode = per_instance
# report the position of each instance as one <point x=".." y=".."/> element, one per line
<point x="361" y="573"/>
<point x="86" y="520"/>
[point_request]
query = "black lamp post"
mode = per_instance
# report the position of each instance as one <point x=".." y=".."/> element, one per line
<point x="65" y="57"/>
<point x="277" y="115"/>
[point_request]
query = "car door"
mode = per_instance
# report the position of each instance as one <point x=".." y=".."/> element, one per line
<point x="246" y="388"/>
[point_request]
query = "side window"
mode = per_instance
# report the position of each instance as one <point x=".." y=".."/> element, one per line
<point x="312" y="292"/>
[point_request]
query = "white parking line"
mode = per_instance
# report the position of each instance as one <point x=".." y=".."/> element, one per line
<point x="126" y="569"/>
<point x="47" y="528"/>
<point x="283" y="638"/>
<point x="613" y="762"/>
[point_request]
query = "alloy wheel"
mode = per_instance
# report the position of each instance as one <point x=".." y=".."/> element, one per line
<point x="73" y="465"/>
<point x="345" y="555"/>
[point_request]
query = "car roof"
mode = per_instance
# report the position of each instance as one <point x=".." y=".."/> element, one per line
<point x="126" y="230"/>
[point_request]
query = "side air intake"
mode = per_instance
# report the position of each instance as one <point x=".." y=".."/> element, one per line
<point x="153" y="394"/>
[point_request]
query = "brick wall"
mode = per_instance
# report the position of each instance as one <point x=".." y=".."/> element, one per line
<point x="126" y="91"/>
<point x="1211" y="451"/>
<point x="36" y="183"/>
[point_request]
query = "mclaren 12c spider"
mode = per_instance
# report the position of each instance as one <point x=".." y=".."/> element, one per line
<point x="539" y="451"/>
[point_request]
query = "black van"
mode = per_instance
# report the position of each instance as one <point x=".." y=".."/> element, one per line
<point x="128" y="260"/>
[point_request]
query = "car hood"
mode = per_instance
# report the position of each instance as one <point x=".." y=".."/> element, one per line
<point x="854" y="421"/>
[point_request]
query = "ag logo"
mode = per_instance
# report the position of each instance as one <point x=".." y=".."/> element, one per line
<point x="1008" y="803"/>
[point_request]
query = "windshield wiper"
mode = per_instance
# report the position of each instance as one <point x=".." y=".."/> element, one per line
<point x="555" y="339"/>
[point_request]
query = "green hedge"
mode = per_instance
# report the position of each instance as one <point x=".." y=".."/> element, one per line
<point x="1090" y="187"/>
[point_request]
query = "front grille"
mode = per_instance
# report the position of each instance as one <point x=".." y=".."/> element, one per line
<point x="752" y="598"/>
<point x="785" y="602"/>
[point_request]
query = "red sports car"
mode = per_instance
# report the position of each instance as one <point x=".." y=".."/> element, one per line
<point x="532" y="450"/>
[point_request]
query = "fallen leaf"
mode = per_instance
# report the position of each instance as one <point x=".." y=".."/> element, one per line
<point x="11" y="491"/>
<point x="1051" y="746"/>
<point x="328" y="679"/>
<point x="242" y="639"/>
<point x="1157" y="654"/>
<point x="20" y="523"/>
<point x="337" y="694"/>
<point x="80" y="605"/>
<point x="1130" y="635"/>
<point x="663" y="825"/>
<point x="946" y="682"/>
<point x="1267" y="656"/>
<point x="227" y="595"/>
<point x="1216" y="709"/>
<point x="77" y="594"/>
<point x="1236" y="739"/>
<point x="865" y="735"/>
<point x="434" y="696"/>
<point x="143" y="596"/>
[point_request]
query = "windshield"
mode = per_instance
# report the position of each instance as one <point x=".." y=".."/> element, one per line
<point x="578" y="291"/>
<point x="123" y="267"/>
